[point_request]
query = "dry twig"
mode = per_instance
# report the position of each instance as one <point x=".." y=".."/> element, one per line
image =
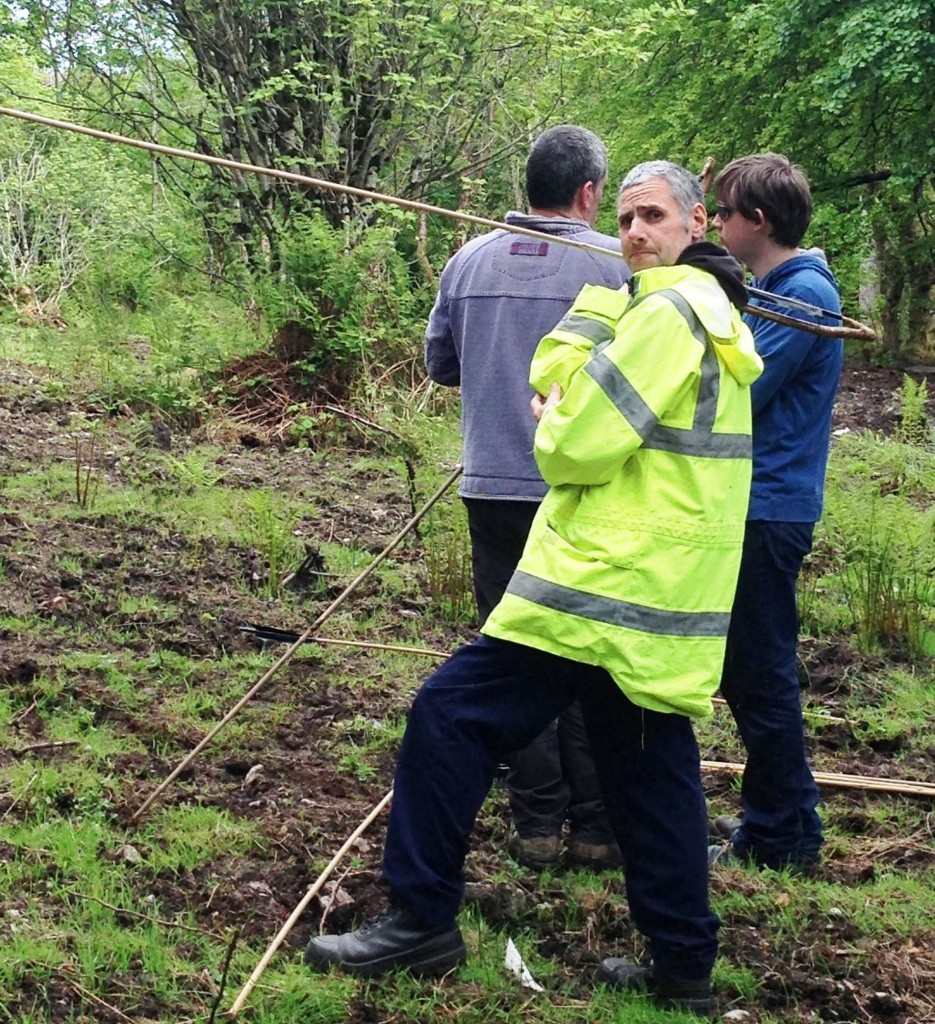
<point x="91" y="997"/>
<point x="53" y="745"/>
<point x="26" y="789"/>
<point x="146" y="917"/>
<point x="24" y="714"/>
<point x="223" y="982"/>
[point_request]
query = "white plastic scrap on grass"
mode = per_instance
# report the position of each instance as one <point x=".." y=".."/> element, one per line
<point x="515" y="963"/>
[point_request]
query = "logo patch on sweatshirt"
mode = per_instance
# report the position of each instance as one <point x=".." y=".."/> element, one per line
<point x="529" y="248"/>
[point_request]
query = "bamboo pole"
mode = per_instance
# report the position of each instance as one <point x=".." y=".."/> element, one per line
<point x="441" y="655"/>
<point x="371" y="646"/>
<point x="313" y="889"/>
<point x="301" y="179"/>
<point x="840" y="780"/>
<point x="326" y="614"/>
<point x="849" y="328"/>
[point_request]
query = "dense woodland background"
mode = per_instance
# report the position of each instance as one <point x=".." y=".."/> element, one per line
<point x="431" y="100"/>
<point x="213" y="412"/>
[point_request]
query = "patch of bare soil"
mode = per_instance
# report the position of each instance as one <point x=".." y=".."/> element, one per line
<point x="285" y="781"/>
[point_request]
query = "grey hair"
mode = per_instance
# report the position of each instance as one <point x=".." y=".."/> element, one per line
<point x="562" y="159"/>
<point x="685" y="186"/>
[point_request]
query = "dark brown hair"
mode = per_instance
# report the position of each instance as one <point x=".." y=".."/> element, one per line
<point x="771" y="183"/>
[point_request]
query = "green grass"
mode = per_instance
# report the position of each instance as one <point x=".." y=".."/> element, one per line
<point x="145" y="659"/>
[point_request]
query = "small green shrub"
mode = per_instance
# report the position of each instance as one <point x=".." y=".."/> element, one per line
<point x="448" y="565"/>
<point x="271" y="535"/>
<point x="914" y="427"/>
<point x="340" y="301"/>
<point x="878" y="540"/>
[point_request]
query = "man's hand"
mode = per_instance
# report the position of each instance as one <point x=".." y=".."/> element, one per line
<point x="540" y="405"/>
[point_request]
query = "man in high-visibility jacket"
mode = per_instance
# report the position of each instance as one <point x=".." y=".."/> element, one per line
<point x="621" y="600"/>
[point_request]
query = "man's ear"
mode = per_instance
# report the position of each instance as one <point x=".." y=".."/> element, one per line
<point x="761" y="223"/>
<point x="698" y="222"/>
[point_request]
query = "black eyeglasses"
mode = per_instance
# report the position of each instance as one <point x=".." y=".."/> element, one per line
<point x="723" y="211"/>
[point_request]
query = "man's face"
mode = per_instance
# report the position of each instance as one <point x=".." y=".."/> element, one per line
<point x="739" y="235"/>
<point x="653" y="230"/>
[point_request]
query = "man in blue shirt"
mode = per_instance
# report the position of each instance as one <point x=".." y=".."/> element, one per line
<point x="763" y="210"/>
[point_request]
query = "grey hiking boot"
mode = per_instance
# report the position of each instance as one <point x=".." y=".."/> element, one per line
<point x="593" y="856"/>
<point x="691" y="995"/>
<point x="721" y="855"/>
<point x="726" y="855"/>
<point x="536" y="852"/>
<point x="394" y="940"/>
<point x="723" y="826"/>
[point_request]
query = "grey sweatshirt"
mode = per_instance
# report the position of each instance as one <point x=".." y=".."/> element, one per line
<point x="498" y="296"/>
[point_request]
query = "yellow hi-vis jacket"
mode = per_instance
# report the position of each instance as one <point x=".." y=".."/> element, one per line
<point x="632" y="560"/>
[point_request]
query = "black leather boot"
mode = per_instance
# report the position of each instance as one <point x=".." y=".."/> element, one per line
<point x="394" y="940"/>
<point x="691" y="995"/>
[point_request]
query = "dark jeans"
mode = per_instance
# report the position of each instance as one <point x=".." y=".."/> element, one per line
<point x="492" y="697"/>
<point x="553" y="778"/>
<point x="760" y="683"/>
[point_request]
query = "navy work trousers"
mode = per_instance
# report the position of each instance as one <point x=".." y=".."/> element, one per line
<point x="760" y="683"/>
<point x="553" y="779"/>
<point x="491" y="698"/>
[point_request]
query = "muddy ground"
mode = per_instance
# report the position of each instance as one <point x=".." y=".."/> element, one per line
<point x="303" y="807"/>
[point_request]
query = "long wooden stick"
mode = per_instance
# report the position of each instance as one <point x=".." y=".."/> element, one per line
<point x="427" y="652"/>
<point x="301" y="179"/>
<point x="368" y="645"/>
<point x="326" y="614"/>
<point x="839" y="780"/>
<point x="849" y="328"/>
<point x="238" y="1003"/>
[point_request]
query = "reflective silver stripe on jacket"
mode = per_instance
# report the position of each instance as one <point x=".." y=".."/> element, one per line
<point x="593" y="330"/>
<point x="616" y="612"/>
<point x="700" y="441"/>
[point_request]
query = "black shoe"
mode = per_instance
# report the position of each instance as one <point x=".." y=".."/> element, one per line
<point x="672" y="993"/>
<point x="394" y="940"/>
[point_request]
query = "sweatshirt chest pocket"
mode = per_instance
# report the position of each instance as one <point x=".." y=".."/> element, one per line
<point x="537" y="261"/>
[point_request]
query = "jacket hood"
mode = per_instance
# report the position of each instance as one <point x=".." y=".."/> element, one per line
<point x="716" y="260"/>
<point x="730" y="336"/>
<point x="810" y="259"/>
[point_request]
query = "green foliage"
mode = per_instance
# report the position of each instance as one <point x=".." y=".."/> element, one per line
<point x="67" y="204"/>
<point x="914" y="427"/>
<point x="877" y="540"/>
<point x="340" y="300"/>
<point x="448" y="565"/>
<point x="270" y="532"/>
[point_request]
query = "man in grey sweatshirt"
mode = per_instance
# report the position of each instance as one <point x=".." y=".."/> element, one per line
<point x="498" y="296"/>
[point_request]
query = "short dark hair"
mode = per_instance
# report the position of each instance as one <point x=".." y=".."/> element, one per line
<point x="561" y="160"/>
<point x="772" y="183"/>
